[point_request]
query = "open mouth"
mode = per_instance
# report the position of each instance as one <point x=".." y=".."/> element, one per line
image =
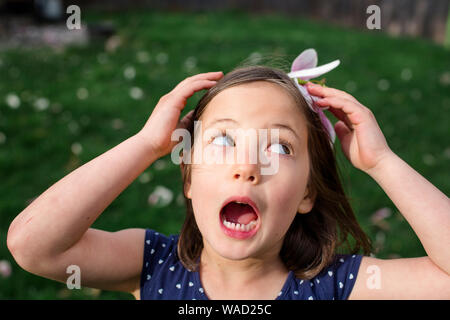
<point x="239" y="217"/>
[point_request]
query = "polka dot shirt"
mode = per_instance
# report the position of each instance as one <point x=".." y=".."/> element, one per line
<point x="164" y="276"/>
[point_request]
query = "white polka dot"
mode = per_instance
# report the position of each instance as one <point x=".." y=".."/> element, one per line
<point x="146" y="264"/>
<point x="310" y="298"/>
<point x="353" y="255"/>
<point x="280" y="293"/>
<point x="172" y="268"/>
<point x="301" y="281"/>
<point x="147" y="242"/>
<point x="341" y="260"/>
<point x="149" y="277"/>
<point x="350" y="276"/>
<point x="160" y="291"/>
<point x="295" y="292"/>
<point x="318" y="281"/>
<point x="330" y="273"/>
<point x="160" y="261"/>
<point x="178" y="286"/>
<point x="311" y="284"/>
<point x="201" y="290"/>
<point x="190" y="284"/>
<point x="152" y="251"/>
<point x="163" y="245"/>
<point x="156" y="233"/>
<point x="341" y="285"/>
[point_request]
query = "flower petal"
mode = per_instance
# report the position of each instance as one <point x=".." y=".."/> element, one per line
<point x="306" y="74"/>
<point x="305" y="60"/>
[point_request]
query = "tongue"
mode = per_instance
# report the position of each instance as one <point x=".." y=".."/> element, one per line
<point x="239" y="213"/>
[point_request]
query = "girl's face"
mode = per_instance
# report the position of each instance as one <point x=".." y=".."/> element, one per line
<point x="278" y="197"/>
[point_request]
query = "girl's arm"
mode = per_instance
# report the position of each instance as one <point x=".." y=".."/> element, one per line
<point x="425" y="207"/>
<point x="54" y="232"/>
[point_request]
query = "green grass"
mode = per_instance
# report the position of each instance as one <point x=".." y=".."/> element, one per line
<point x="413" y="114"/>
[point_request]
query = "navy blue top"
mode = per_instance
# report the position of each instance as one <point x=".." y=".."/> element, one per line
<point x="164" y="276"/>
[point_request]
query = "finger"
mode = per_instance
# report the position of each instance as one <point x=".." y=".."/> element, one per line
<point x="342" y="116"/>
<point x="183" y="93"/>
<point x="318" y="90"/>
<point x="356" y="113"/>
<point x="201" y="76"/>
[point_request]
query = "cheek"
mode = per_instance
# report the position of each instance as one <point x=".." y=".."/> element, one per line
<point x="288" y="189"/>
<point x="204" y="192"/>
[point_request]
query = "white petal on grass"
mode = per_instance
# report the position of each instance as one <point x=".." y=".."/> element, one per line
<point x="255" y="57"/>
<point x="445" y="78"/>
<point x="180" y="199"/>
<point x="41" y="104"/>
<point x="447" y="152"/>
<point x="117" y="124"/>
<point x="406" y="74"/>
<point x="73" y="127"/>
<point x="5" y="268"/>
<point x="129" y="73"/>
<point x="143" y="57"/>
<point x="429" y="159"/>
<point x="136" y="93"/>
<point x="82" y="93"/>
<point x="2" y="138"/>
<point x="161" y="196"/>
<point x="190" y="63"/>
<point x="76" y="148"/>
<point x="381" y="214"/>
<point x="162" y="58"/>
<point x="383" y="84"/>
<point x="12" y="100"/>
<point x="145" y="177"/>
<point x="160" y="164"/>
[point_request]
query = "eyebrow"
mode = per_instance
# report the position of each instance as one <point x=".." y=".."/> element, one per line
<point x="275" y="125"/>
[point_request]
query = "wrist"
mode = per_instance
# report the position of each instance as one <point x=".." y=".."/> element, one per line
<point x="387" y="158"/>
<point x="148" y="146"/>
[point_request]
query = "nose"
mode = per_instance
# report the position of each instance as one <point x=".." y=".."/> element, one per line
<point x="247" y="173"/>
<point x="246" y="166"/>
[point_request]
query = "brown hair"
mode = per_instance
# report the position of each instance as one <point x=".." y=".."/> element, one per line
<point x="313" y="238"/>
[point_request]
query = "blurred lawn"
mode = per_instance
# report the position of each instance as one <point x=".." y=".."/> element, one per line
<point x="78" y="103"/>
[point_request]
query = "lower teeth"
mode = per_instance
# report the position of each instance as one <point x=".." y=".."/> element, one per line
<point x="238" y="226"/>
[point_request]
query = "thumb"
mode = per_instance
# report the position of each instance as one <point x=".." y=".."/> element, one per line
<point x="186" y="121"/>
<point x="344" y="135"/>
<point x="341" y="130"/>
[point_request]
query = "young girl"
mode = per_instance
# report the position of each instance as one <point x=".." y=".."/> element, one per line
<point x="246" y="235"/>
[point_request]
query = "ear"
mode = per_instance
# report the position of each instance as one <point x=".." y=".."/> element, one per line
<point x="187" y="187"/>
<point x="307" y="202"/>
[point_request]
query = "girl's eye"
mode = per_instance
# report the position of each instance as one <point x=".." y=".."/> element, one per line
<point x="220" y="140"/>
<point x="280" y="148"/>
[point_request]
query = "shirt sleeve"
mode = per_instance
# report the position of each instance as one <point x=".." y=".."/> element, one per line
<point x="337" y="280"/>
<point x="158" y="247"/>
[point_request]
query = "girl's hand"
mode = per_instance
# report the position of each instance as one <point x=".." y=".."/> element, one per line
<point x="165" y="117"/>
<point x="361" y="138"/>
